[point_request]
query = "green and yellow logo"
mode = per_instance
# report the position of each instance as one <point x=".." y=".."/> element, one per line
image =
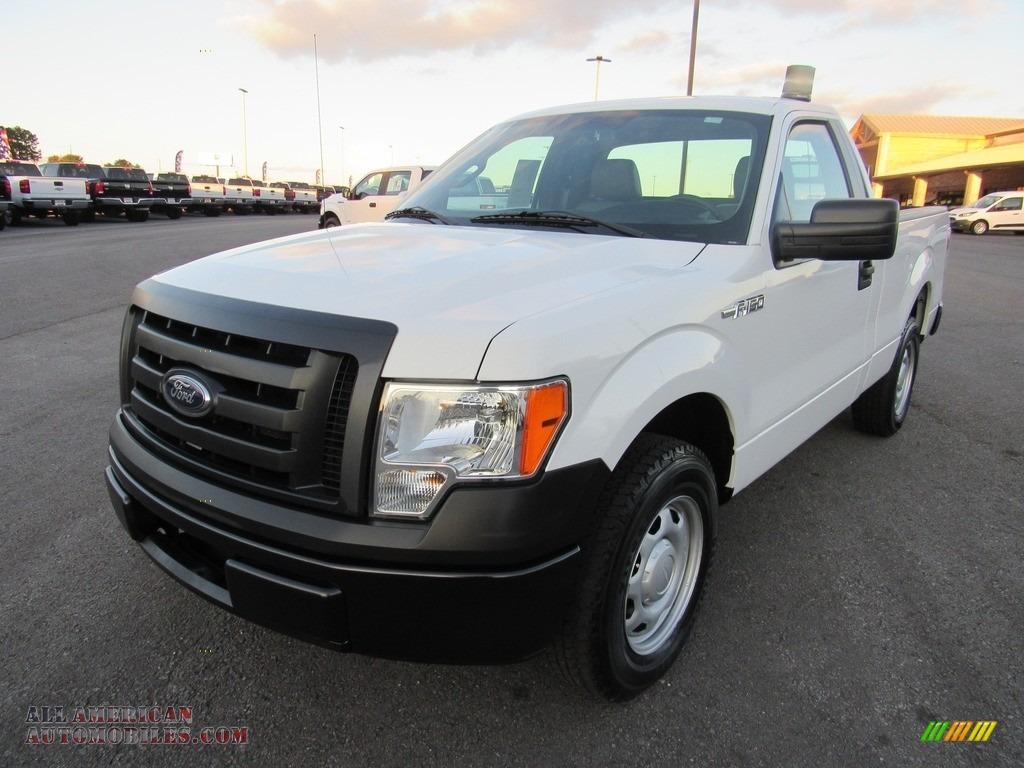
<point x="958" y="730"/>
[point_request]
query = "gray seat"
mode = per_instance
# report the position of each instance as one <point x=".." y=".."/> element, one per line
<point x="612" y="182"/>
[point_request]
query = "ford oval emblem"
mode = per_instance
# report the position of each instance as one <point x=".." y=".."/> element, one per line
<point x="187" y="393"/>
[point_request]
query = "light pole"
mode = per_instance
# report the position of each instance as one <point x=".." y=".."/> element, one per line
<point x="597" y="78"/>
<point x="392" y="154"/>
<point x="693" y="47"/>
<point x="245" y="134"/>
<point x="342" y="127"/>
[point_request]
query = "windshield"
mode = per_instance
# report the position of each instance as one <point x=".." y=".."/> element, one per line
<point x="669" y="174"/>
<point x="986" y="201"/>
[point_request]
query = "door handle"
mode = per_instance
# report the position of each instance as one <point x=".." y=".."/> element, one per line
<point x="864" y="277"/>
<point x="373" y="205"/>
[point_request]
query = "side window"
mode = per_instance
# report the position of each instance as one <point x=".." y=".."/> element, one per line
<point x="369" y="186"/>
<point x="506" y="179"/>
<point x="398" y="182"/>
<point x="812" y="170"/>
<point x="1009" y="204"/>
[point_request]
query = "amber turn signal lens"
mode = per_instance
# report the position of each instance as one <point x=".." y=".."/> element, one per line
<point x="546" y="409"/>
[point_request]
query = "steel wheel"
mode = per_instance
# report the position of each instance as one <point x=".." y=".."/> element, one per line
<point x="664" y="575"/>
<point x="905" y="382"/>
<point x="645" y="562"/>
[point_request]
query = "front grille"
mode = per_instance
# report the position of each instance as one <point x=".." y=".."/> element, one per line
<point x="278" y="425"/>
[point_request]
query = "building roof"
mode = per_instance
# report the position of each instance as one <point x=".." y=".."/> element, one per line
<point x="938" y="125"/>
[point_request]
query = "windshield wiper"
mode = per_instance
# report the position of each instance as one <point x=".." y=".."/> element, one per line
<point x="418" y="212"/>
<point x="555" y="219"/>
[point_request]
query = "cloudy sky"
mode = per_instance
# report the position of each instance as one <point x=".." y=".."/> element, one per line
<point x="412" y="81"/>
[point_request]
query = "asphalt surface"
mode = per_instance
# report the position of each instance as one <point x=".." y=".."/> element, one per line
<point x="862" y="588"/>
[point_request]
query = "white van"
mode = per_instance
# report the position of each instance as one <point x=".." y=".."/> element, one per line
<point x="997" y="211"/>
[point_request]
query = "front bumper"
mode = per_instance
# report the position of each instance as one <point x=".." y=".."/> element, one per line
<point x="960" y="225"/>
<point x="485" y="581"/>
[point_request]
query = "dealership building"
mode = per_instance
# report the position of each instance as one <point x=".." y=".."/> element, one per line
<point x="923" y="159"/>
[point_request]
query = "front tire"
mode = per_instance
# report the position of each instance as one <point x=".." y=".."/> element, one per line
<point x="980" y="227"/>
<point x="882" y="409"/>
<point x="645" y="562"/>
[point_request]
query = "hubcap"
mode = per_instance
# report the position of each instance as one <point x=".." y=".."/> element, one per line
<point x="904" y="380"/>
<point x="664" y="575"/>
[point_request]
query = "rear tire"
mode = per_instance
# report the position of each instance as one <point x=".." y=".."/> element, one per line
<point x="174" y="213"/>
<point x="882" y="409"/>
<point x="646" y="558"/>
<point x="72" y="218"/>
<point x="135" y="214"/>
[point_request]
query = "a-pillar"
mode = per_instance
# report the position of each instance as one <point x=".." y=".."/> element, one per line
<point x="920" y="192"/>
<point x="972" y="190"/>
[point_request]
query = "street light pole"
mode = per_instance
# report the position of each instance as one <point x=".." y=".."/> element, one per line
<point x="342" y="153"/>
<point x="693" y="47"/>
<point x="597" y="78"/>
<point x="245" y="134"/>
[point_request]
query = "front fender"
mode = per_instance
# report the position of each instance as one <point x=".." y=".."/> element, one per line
<point x="679" y="362"/>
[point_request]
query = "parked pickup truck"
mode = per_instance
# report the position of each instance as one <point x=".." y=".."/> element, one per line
<point x="25" y="191"/>
<point x="172" y="194"/>
<point x="306" y="199"/>
<point x="208" y="194"/>
<point x="123" y="190"/>
<point x="373" y="197"/>
<point x="465" y="436"/>
<point x="241" y="195"/>
<point x="271" y="200"/>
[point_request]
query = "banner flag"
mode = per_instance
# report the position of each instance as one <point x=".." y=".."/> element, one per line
<point x="177" y="160"/>
<point x="5" y="146"/>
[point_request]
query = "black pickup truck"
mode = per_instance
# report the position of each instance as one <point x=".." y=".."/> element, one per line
<point x="113" y="190"/>
<point x="172" y="194"/>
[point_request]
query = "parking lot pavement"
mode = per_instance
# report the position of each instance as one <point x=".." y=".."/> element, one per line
<point x="862" y="589"/>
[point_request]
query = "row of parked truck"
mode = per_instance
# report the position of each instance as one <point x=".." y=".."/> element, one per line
<point x="77" y="192"/>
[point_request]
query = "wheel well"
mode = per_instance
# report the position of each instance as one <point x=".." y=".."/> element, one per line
<point x="920" y="310"/>
<point x="701" y="420"/>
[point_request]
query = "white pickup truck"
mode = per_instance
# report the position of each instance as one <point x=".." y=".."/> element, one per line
<point x="376" y="194"/>
<point x="208" y="195"/>
<point x="27" y="192"/>
<point x="239" y="196"/>
<point x="466" y="435"/>
<point x="270" y="199"/>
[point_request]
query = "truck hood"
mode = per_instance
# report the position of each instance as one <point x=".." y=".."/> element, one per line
<point x="449" y="290"/>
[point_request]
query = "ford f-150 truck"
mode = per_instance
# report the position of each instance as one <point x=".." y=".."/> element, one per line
<point x="376" y="194"/>
<point x="25" y="191"/>
<point x="467" y="435"/>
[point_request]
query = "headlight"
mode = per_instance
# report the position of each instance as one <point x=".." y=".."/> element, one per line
<point x="431" y="436"/>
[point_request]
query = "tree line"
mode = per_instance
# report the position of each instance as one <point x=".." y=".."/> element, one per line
<point x="25" y="146"/>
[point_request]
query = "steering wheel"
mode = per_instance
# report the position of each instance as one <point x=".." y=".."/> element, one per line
<point x="698" y="201"/>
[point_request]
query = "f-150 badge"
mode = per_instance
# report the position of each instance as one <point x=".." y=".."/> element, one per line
<point x="744" y="307"/>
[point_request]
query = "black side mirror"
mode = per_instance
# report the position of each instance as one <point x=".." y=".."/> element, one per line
<point x="840" y="230"/>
